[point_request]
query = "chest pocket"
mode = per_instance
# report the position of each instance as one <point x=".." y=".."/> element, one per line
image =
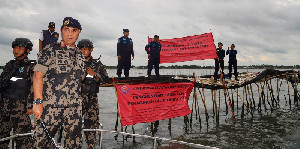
<point x="63" y="62"/>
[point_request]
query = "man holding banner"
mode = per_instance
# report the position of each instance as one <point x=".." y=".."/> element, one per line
<point x="153" y="55"/>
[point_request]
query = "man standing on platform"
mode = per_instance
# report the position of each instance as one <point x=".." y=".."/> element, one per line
<point x="153" y="55"/>
<point x="48" y="36"/>
<point x="124" y="52"/>
<point x="219" y="61"/>
<point x="232" y="61"/>
<point x="58" y="100"/>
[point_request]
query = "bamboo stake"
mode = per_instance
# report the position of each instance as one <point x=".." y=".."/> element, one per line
<point x="212" y="101"/>
<point x="192" y="108"/>
<point x="215" y="102"/>
<point x="230" y="106"/>
<point x="203" y="100"/>
<point x="249" y="98"/>
<point x="253" y="101"/>
<point x="237" y="101"/>
<point x="259" y="98"/>
<point x="287" y="81"/>
<point x="226" y="103"/>
<point x="232" y="101"/>
<point x="295" y="89"/>
<point x="242" y="99"/>
<point x="198" y="109"/>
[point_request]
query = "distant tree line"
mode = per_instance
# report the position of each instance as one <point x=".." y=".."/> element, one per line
<point x="263" y="66"/>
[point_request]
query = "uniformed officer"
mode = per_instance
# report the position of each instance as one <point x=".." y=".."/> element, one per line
<point x="96" y="74"/>
<point x="232" y="61"/>
<point x="58" y="99"/>
<point x="16" y="86"/>
<point x="48" y="36"/>
<point x="219" y="61"/>
<point x="153" y="55"/>
<point x="124" y="52"/>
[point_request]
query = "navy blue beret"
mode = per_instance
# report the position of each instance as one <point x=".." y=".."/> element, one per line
<point x="70" y="22"/>
<point x="125" y="30"/>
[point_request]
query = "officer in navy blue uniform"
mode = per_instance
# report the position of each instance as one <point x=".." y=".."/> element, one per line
<point x="124" y="52"/>
<point x="48" y="36"/>
<point x="153" y="55"/>
<point x="232" y="61"/>
<point x="219" y="61"/>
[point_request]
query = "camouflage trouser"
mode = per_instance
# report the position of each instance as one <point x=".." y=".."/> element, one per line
<point x="13" y="115"/>
<point x="71" y="120"/>
<point x="91" y="117"/>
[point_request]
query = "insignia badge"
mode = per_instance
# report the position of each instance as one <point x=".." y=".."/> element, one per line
<point x="55" y="36"/>
<point x="21" y="69"/>
<point x="124" y="89"/>
<point x="67" y="22"/>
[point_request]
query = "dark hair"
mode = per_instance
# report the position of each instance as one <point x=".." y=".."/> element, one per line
<point x="233" y="45"/>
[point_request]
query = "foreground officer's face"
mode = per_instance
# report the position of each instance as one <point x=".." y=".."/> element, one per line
<point x="69" y="35"/>
<point x="86" y="51"/>
<point x="18" y="51"/>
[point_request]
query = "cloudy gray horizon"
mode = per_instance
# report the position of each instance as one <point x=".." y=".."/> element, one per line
<point x="264" y="31"/>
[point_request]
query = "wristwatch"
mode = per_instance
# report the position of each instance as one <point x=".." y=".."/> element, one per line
<point x="38" y="101"/>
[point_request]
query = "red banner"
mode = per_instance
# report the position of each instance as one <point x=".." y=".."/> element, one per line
<point x="198" y="47"/>
<point x="151" y="102"/>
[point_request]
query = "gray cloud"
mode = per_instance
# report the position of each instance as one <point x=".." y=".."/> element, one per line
<point x="265" y="32"/>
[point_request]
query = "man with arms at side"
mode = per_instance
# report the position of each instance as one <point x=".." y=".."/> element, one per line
<point x="58" y="99"/>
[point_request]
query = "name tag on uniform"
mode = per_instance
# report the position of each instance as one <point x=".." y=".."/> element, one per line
<point x="15" y="79"/>
<point x="89" y="76"/>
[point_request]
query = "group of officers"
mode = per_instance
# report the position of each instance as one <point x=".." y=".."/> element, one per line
<point x="60" y="88"/>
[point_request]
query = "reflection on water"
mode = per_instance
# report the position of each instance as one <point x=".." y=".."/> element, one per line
<point x="278" y="128"/>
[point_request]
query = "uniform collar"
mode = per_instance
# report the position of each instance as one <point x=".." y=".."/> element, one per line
<point x="91" y="59"/>
<point x="25" y="59"/>
<point x="50" y="32"/>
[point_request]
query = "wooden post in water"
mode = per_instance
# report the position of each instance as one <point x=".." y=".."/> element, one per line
<point x="237" y="101"/>
<point x="278" y="91"/>
<point x="226" y="102"/>
<point x="203" y="100"/>
<point x="259" y="98"/>
<point x="216" y="106"/>
<point x="287" y="81"/>
<point x="249" y="98"/>
<point x="295" y="89"/>
<point x="253" y="101"/>
<point x="191" y="119"/>
<point x="232" y="100"/>
<point x="198" y="109"/>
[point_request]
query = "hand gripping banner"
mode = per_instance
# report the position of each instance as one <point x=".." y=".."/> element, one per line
<point x="151" y="102"/>
<point x="197" y="47"/>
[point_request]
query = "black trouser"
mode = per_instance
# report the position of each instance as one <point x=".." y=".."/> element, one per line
<point x="155" y="62"/>
<point x="217" y="68"/>
<point x="124" y="63"/>
<point x="234" y="64"/>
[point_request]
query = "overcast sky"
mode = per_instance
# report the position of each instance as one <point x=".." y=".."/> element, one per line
<point x="264" y="31"/>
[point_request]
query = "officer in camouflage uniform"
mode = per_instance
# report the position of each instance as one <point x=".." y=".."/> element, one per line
<point x="58" y="100"/>
<point x="16" y="89"/>
<point x="96" y="74"/>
